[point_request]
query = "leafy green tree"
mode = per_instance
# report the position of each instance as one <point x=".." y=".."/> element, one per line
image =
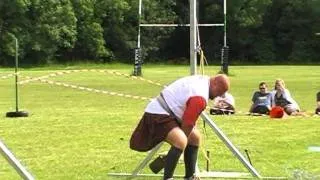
<point x="11" y="26"/>
<point x="90" y="43"/>
<point x="290" y="24"/>
<point x="245" y="18"/>
<point x="51" y="26"/>
<point x="119" y="21"/>
<point x="42" y="27"/>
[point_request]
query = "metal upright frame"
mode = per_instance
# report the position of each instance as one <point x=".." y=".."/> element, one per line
<point x="204" y="116"/>
<point x="193" y="41"/>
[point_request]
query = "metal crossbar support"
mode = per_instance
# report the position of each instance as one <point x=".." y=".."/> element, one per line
<point x="147" y="159"/>
<point x="178" y="25"/>
<point x="221" y="136"/>
<point x="6" y="153"/>
<point x="229" y="144"/>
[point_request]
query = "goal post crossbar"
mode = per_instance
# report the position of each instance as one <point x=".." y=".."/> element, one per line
<point x="179" y="25"/>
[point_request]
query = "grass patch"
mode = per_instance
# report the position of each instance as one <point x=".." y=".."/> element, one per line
<point x="73" y="134"/>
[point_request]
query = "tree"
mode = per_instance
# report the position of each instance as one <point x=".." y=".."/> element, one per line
<point x="290" y="24"/>
<point x="90" y="43"/>
<point x="11" y="23"/>
<point x="42" y="27"/>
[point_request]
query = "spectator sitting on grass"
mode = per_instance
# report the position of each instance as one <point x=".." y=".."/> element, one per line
<point x="318" y="103"/>
<point x="261" y="100"/>
<point x="281" y="96"/>
<point x="224" y="104"/>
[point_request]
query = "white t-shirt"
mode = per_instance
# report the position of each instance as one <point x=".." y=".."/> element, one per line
<point x="227" y="98"/>
<point x="178" y="93"/>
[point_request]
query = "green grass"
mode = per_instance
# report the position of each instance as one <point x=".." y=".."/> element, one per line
<point x="73" y="134"/>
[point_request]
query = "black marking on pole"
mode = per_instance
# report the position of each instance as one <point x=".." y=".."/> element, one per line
<point x="137" y="62"/>
<point x="247" y="153"/>
<point x="208" y="162"/>
<point x="224" y="59"/>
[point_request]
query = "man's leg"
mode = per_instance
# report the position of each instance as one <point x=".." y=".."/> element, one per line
<point x="191" y="153"/>
<point x="178" y="141"/>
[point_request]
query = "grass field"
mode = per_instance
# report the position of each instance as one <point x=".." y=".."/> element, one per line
<point x="78" y="134"/>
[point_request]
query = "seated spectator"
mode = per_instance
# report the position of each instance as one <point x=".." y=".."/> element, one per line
<point x="224" y="104"/>
<point x="261" y="100"/>
<point x="281" y="96"/>
<point x="318" y="103"/>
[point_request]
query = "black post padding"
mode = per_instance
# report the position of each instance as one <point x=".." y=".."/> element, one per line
<point x="137" y="62"/>
<point x="224" y="59"/>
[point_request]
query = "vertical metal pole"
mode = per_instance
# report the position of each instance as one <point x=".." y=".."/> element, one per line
<point x="225" y="22"/>
<point x="225" y="48"/>
<point x="137" y="51"/>
<point x="139" y="18"/>
<point x="16" y="74"/>
<point x="193" y="37"/>
<point x="14" y="162"/>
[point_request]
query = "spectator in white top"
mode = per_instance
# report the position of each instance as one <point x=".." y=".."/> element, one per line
<point x="224" y="104"/>
<point x="281" y="96"/>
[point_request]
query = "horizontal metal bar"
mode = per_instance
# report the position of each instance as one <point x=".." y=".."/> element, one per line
<point x="178" y="25"/>
<point x="212" y="174"/>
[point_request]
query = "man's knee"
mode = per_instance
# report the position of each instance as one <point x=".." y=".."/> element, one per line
<point x="194" y="137"/>
<point x="177" y="138"/>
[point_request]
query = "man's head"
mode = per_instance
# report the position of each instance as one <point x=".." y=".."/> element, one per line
<point x="219" y="84"/>
<point x="263" y="87"/>
<point x="279" y="84"/>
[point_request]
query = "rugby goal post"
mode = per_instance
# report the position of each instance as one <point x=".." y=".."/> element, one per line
<point x="138" y="61"/>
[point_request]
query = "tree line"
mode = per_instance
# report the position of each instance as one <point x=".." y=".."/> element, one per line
<point x="258" y="31"/>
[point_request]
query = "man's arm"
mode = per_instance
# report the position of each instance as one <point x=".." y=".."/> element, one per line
<point x="195" y="105"/>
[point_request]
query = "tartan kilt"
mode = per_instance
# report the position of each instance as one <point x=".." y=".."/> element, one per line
<point x="151" y="130"/>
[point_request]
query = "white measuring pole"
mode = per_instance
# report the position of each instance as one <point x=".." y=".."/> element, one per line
<point x="193" y="37"/>
<point x="6" y="153"/>
<point x="139" y="18"/>
<point x="225" y="22"/>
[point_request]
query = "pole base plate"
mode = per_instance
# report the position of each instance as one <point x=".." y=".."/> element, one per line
<point x="17" y="114"/>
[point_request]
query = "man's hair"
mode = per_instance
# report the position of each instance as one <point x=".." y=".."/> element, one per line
<point x="262" y="83"/>
<point x="281" y="81"/>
